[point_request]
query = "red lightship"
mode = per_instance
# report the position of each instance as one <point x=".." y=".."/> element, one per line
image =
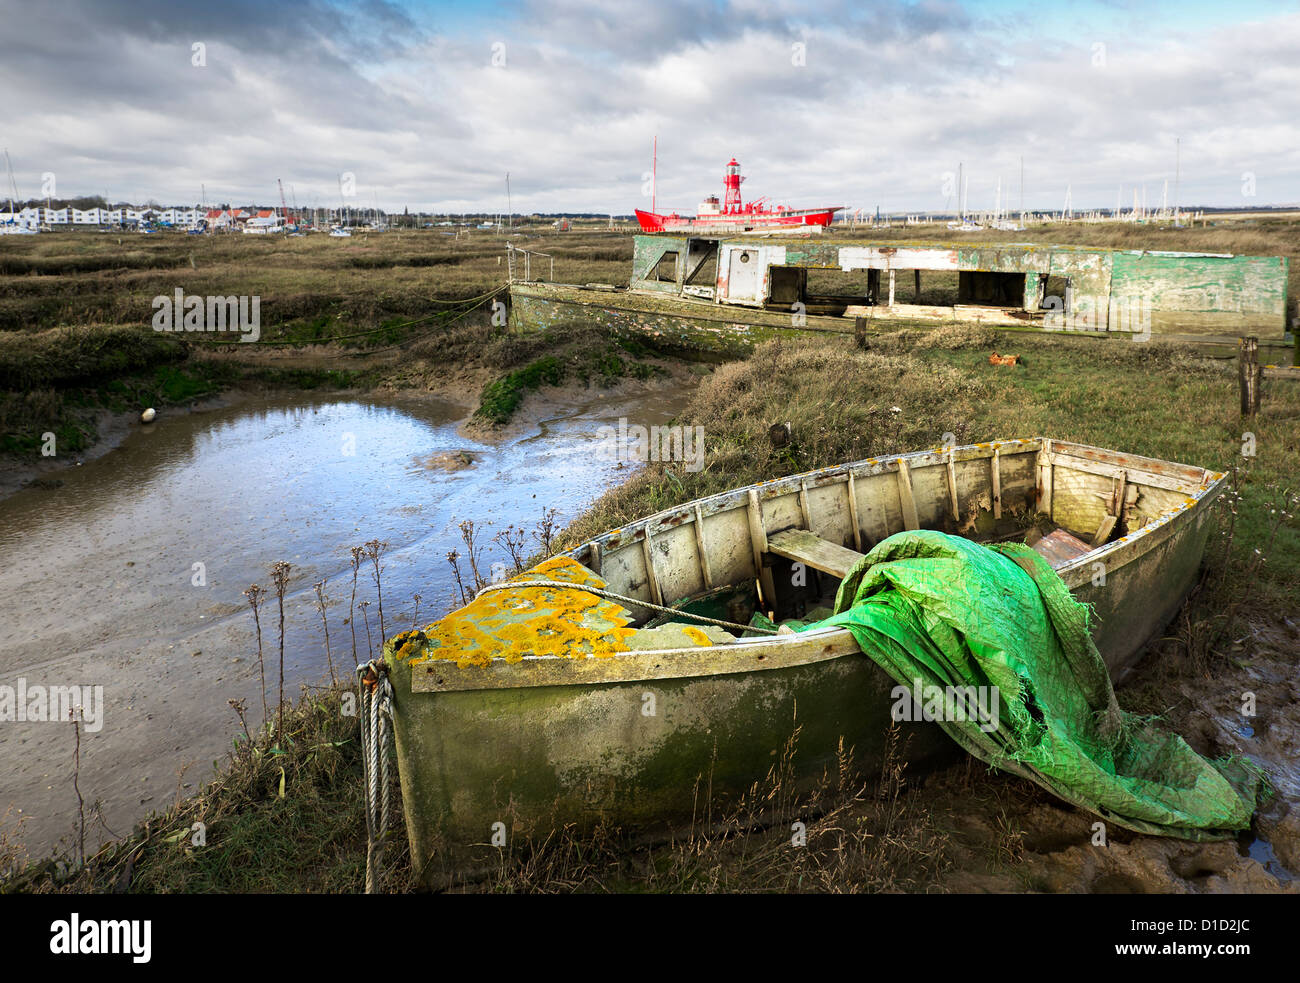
<point x="732" y="215"/>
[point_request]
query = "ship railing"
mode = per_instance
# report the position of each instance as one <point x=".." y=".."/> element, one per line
<point x="513" y="253"/>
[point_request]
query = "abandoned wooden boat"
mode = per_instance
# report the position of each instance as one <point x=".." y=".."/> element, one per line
<point x="721" y="294"/>
<point x="544" y="707"/>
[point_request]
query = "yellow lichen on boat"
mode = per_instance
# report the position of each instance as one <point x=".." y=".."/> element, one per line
<point x="409" y="643"/>
<point x="528" y="621"/>
<point x="563" y="568"/>
<point x="696" y="635"/>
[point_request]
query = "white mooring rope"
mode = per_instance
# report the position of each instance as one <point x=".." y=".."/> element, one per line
<point x="376" y="735"/>
<point x="520" y="584"/>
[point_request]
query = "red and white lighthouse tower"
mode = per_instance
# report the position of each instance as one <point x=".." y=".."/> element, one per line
<point x="731" y="185"/>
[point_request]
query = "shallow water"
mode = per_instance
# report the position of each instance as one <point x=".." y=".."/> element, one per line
<point x="130" y="574"/>
<point x="1261" y="851"/>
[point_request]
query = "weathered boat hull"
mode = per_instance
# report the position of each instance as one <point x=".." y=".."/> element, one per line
<point x="671" y="324"/>
<point x="696" y="291"/>
<point x="697" y="327"/>
<point x="544" y="758"/>
<point x="651" y="740"/>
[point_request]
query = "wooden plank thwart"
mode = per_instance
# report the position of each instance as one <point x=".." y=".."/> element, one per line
<point x="802" y="546"/>
<point x="811" y="550"/>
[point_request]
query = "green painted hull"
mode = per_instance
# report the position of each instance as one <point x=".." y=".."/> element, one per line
<point x="651" y="756"/>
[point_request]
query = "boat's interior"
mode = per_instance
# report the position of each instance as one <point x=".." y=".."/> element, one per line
<point x="915" y="293"/>
<point x="776" y="552"/>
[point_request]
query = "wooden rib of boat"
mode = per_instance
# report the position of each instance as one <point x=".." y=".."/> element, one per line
<point x="504" y="715"/>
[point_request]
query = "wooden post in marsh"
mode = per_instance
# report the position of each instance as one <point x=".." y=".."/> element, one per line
<point x="1249" y="374"/>
<point x="916" y="294"/>
<point x="860" y="331"/>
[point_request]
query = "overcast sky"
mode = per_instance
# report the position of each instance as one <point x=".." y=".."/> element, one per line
<point x="429" y="105"/>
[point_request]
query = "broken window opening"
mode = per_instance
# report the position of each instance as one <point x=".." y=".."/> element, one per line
<point x="926" y="288"/>
<point x="665" y="270"/>
<point x="1054" y="293"/>
<point x="702" y="262"/>
<point x="786" y="286"/>
<point x="983" y="288"/>
<point x="830" y="291"/>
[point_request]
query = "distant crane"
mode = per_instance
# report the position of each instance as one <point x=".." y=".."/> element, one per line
<point x="284" y="208"/>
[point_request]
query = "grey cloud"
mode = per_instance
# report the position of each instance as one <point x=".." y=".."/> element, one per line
<point x="890" y="96"/>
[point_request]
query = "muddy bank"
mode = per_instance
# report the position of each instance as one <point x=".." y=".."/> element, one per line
<point x="550" y="401"/>
<point x="16" y="473"/>
<point x="1008" y="835"/>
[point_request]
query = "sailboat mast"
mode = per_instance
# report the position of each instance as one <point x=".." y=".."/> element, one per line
<point x="13" y="185"/>
<point x="1178" y="151"/>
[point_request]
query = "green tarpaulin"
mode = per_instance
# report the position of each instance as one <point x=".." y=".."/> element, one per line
<point x="949" y="620"/>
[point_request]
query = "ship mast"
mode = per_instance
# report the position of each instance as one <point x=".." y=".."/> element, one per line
<point x="654" y="175"/>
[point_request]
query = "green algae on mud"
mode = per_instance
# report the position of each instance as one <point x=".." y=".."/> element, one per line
<point x="603" y="366"/>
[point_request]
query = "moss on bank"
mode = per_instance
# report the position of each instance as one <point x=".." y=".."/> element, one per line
<point x="574" y="351"/>
<point x="71" y="410"/>
<point x="501" y="398"/>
